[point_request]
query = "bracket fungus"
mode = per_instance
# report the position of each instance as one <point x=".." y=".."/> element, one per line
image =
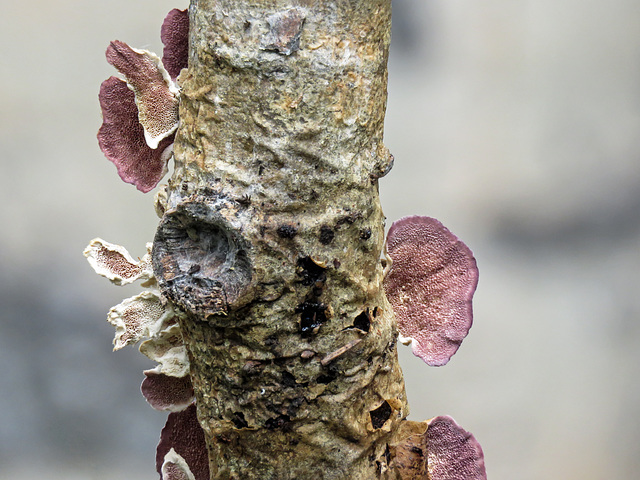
<point x="116" y="263"/>
<point x="164" y="392"/>
<point x="140" y="115"/>
<point x="183" y="434"/>
<point x="430" y="285"/>
<point x="202" y="265"/>
<point x="175" y="467"/>
<point x="438" y="449"/>
<point x="452" y="452"/>
<point x="144" y="315"/>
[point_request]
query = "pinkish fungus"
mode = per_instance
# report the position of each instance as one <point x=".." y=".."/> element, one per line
<point x="175" y="467"/>
<point x="140" y="116"/>
<point x="167" y="393"/>
<point x="121" y="138"/>
<point x="452" y="452"/>
<point x="154" y="92"/>
<point x="185" y="436"/>
<point x="430" y="285"/>
<point x="175" y="38"/>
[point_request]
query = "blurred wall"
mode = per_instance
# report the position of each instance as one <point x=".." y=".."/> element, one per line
<point x="517" y="124"/>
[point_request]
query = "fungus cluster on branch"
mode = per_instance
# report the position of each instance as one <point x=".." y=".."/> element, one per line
<point x="430" y="278"/>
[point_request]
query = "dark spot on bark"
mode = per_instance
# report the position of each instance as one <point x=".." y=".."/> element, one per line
<point x="350" y="218"/>
<point x="295" y="405"/>
<point x="380" y="415"/>
<point x="271" y="341"/>
<point x="336" y="263"/>
<point x="311" y="272"/>
<point x="278" y="422"/>
<point x="365" y="234"/>
<point x="325" y="379"/>
<point x="287" y="231"/>
<point x="244" y="200"/>
<point x="387" y="454"/>
<point x="262" y="229"/>
<point x="288" y="380"/>
<point x="417" y="451"/>
<point x="331" y="373"/>
<point x="326" y="235"/>
<point x="312" y="316"/>
<point x="239" y="421"/>
<point x="363" y="321"/>
<point x="375" y="311"/>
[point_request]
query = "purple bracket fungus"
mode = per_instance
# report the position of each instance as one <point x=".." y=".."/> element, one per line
<point x="452" y="452"/>
<point x="121" y="138"/>
<point x="438" y="449"/>
<point x="430" y="285"/>
<point x="144" y="315"/>
<point x="140" y="116"/>
<point x="116" y="263"/>
<point x="156" y="96"/>
<point x="183" y="434"/>
<point x="175" y="38"/>
<point x="167" y="393"/>
<point x="175" y="467"/>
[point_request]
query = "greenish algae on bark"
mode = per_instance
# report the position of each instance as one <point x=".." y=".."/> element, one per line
<point x="272" y="233"/>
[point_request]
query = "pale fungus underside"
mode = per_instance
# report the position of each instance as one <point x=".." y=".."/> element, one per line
<point x="266" y="310"/>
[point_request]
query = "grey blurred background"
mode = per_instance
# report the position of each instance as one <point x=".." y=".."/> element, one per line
<point x="517" y="124"/>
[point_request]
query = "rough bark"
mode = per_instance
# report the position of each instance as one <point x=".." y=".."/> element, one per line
<point x="272" y="233"/>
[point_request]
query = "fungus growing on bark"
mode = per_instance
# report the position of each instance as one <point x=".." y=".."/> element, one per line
<point x="116" y="263"/>
<point x="452" y="452"/>
<point x="140" y="115"/>
<point x="430" y="285"/>
<point x="164" y="392"/>
<point x="175" y="38"/>
<point x="154" y="90"/>
<point x="185" y="436"/>
<point x="175" y="467"/>
<point x="121" y="138"/>
<point x="169" y="351"/>
<point x="438" y="449"/>
<point x="144" y="315"/>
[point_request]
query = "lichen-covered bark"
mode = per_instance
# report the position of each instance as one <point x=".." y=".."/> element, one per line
<point x="271" y="238"/>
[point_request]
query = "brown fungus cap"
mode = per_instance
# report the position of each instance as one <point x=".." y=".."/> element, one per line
<point x="430" y="285"/>
<point x="183" y="433"/>
<point x="452" y="452"/>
